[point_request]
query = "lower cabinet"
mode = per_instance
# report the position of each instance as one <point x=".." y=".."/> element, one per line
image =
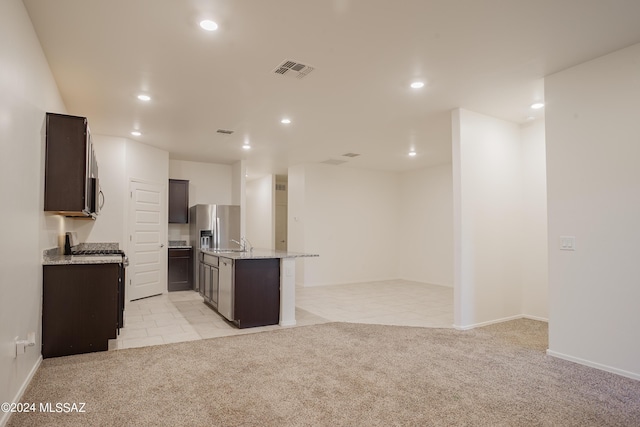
<point x="81" y="307"/>
<point x="256" y="292"/>
<point x="208" y="279"/>
<point x="180" y="267"/>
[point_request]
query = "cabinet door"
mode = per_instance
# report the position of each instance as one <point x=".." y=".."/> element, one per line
<point x="178" y="201"/>
<point x="201" y="279"/>
<point x="207" y="282"/>
<point x="79" y="308"/>
<point x="225" y="288"/>
<point x="179" y="269"/>
<point x="215" y="274"/>
<point x="66" y="162"/>
<point x="257" y="292"/>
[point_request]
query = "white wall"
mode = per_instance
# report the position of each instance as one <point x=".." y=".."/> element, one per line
<point x="209" y="183"/>
<point x="111" y="156"/>
<point x="260" y="215"/>
<point x="28" y="92"/>
<point x="146" y="163"/>
<point x="296" y="215"/>
<point x="487" y="219"/>
<point x="593" y="148"/>
<point x="349" y="217"/>
<point x="535" y="295"/>
<point x="238" y="192"/>
<point x="425" y="225"/>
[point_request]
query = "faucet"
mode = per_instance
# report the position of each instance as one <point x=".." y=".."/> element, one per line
<point x="244" y="242"/>
<point x="247" y="243"/>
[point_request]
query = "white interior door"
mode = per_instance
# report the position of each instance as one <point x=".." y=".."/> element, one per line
<point x="147" y="272"/>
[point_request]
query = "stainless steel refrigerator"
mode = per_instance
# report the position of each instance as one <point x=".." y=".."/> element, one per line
<point x="213" y="227"/>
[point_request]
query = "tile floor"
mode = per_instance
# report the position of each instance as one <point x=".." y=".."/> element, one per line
<point x="182" y="316"/>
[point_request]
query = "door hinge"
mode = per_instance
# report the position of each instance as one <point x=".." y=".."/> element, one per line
<point x="131" y="194"/>
<point x="129" y="237"/>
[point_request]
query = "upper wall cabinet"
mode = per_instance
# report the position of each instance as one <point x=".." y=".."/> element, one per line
<point x="71" y="171"/>
<point x="178" y="201"/>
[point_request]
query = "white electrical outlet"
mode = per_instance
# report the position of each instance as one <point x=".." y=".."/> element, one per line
<point x="567" y="243"/>
<point x="21" y="345"/>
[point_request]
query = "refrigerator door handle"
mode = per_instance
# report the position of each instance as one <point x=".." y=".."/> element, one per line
<point x="217" y="235"/>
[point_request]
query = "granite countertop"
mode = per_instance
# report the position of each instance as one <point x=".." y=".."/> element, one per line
<point x="81" y="259"/>
<point x="179" y="244"/>
<point x="257" y="254"/>
<point x="54" y="256"/>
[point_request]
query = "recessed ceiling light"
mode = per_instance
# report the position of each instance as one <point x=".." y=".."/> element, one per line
<point x="208" y="25"/>
<point x="143" y="97"/>
<point x="537" y="105"/>
<point x="285" y="121"/>
<point x="246" y="147"/>
<point x="412" y="153"/>
<point x="136" y="133"/>
<point x="417" y="85"/>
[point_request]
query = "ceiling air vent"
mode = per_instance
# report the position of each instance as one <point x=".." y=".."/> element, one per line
<point x="293" y="69"/>
<point x="334" y="162"/>
<point x="225" y="131"/>
<point x="350" y="155"/>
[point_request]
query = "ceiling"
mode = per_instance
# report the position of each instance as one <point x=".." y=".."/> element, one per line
<point x="489" y="56"/>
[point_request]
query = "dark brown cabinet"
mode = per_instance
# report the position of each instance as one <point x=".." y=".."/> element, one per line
<point x="180" y="269"/>
<point x="81" y="307"/>
<point x="178" y="201"/>
<point x="257" y="292"/>
<point x="71" y="171"/>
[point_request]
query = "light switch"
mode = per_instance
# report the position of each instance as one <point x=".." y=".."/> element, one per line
<point x="567" y="243"/>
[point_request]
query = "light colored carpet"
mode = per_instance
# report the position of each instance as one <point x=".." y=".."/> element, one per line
<point x="338" y="374"/>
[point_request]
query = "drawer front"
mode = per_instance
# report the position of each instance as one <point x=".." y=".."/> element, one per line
<point x="179" y="252"/>
<point x="210" y="259"/>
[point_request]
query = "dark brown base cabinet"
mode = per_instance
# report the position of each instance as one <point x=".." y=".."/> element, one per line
<point x="257" y="292"/>
<point x="180" y="269"/>
<point x="81" y="307"/>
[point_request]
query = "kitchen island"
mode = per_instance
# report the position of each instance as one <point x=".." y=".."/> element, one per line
<point x="250" y="288"/>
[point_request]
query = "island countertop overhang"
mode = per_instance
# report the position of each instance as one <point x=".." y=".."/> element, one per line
<point x="256" y="254"/>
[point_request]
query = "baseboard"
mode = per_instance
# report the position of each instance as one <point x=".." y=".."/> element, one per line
<point x="288" y="323"/>
<point x="579" y="361"/>
<point x="487" y="323"/>
<point x="539" y="319"/>
<point x="312" y="285"/>
<point x="426" y="282"/>
<point x="5" y="416"/>
<point x="377" y="279"/>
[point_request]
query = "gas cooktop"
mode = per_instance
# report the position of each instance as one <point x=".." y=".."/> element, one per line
<point x="99" y="252"/>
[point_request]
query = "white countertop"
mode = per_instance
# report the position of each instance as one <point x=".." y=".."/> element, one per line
<point x="257" y="253"/>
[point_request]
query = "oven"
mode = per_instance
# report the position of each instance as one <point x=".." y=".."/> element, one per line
<point x="107" y="254"/>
